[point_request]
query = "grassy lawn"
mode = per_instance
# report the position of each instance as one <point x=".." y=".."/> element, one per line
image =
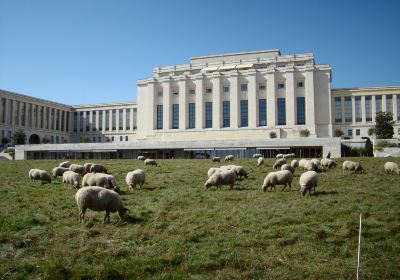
<point x="178" y="230"/>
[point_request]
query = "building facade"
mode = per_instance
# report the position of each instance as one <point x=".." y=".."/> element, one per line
<point x="241" y="103"/>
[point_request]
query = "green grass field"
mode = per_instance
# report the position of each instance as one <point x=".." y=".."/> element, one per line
<point x="178" y="230"/>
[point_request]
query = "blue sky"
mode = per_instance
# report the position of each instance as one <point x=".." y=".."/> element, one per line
<point x="93" y="51"/>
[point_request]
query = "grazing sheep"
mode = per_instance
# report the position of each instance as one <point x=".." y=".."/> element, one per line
<point x="141" y="158"/>
<point x="315" y="161"/>
<point x="308" y="180"/>
<point x="392" y="167"/>
<point x="150" y="162"/>
<point x="279" y="156"/>
<point x="65" y="164"/>
<point x="58" y="171"/>
<point x="260" y="161"/>
<point x="95" y="179"/>
<point x="112" y="184"/>
<point x="212" y="170"/>
<point x="294" y="163"/>
<point x="215" y="159"/>
<point x="279" y="163"/>
<point x="283" y="177"/>
<point x="80" y="169"/>
<point x="224" y="177"/>
<point x="136" y="177"/>
<point x="98" y="168"/>
<point x="302" y="163"/>
<point x="99" y="199"/>
<point x="288" y="167"/>
<point x="310" y="166"/>
<point x="239" y="170"/>
<point x="39" y="175"/>
<point x="71" y="178"/>
<point x="229" y="158"/>
<point x="87" y="167"/>
<point x="328" y="163"/>
<point x="257" y="155"/>
<point x="352" y="166"/>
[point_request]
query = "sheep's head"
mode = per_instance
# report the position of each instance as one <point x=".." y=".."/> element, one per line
<point x="122" y="211"/>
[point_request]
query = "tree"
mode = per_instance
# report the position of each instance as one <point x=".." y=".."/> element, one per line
<point x="85" y="139"/>
<point x="272" y="134"/>
<point x="371" y="131"/>
<point x="19" y="137"/>
<point x="384" y="125"/>
<point x="338" y="132"/>
<point x="46" y="140"/>
<point x="5" y="141"/>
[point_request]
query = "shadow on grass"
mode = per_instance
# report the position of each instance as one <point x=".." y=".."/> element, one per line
<point x="316" y="193"/>
<point x="132" y="219"/>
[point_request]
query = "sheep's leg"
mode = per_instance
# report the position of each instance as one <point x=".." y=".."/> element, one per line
<point x="284" y="187"/>
<point x="107" y="217"/>
<point x="290" y="186"/>
<point x="82" y="215"/>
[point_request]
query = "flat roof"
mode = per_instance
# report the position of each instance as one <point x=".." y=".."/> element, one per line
<point x="237" y="53"/>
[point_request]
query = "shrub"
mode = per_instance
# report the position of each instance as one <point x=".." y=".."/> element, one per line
<point x="85" y="139"/>
<point x="19" y="137"/>
<point x="46" y="140"/>
<point x="384" y="125"/>
<point x="5" y="141"/>
<point x="272" y="134"/>
<point x="304" y="133"/>
<point x="338" y="132"/>
<point x="371" y="131"/>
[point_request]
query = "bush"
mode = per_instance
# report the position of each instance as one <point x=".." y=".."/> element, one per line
<point x="5" y="141"/>
<point x="304" y="133"/>
<point x="371" y="131"/>
<point x="46" y="140"/>
<point x="338" y="132"/>
<point x="85" y="139"/>
<point x="19" y="137"/>
<point x="384" y="125"/>
<point x="272" y="134"/>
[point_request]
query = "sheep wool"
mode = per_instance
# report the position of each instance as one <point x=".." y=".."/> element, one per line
<point x="308" y="180"/>
<point x="40" y="175"/>
<point x="288" y="167"/>
<point x="283" y="177"/>
<point x="136" y="177"/>
<point x="58" y="171"/>
<point x="71" y="178"/>
<point x="392" y="167"/>
<point x="260" y="161"/>
<point x="224" y="177"/>
<point x="150" y="162"/>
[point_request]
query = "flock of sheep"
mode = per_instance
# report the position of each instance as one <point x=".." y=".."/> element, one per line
<point x="99" y="191"/>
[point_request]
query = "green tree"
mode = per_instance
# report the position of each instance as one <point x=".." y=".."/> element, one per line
<point x="304" y="133"/>
<point x="384" y="125"/>
<point x="85" y="139"/>
<point x="5" y="141"/>
<point x="338" y="132"/>
<point x="19" y="137"/>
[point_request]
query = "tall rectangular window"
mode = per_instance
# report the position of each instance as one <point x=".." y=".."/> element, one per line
<point x="10" y="115"/>
<point x="114" y="119"/>
<point x="243" y="87"/>
<point x="208" y="114"/>
<point x="121" y="119"/>
<point x="41" y="119"/>
<point x="128" y="119"/>
<point x="62" y="120"/>
<point x="30" y="121"/>
<point x="36" y="116"/>
<point x="16" y="115"/>
<point x="357" y="108"/>
<point x="244" y="113"/>
<point x="281" y="111"/>
<point x="301" y="110"/>
<point x="100" y="120"/>
<point x="23" y="114"/>
<point x="192" y="115"/>
<point x="47" y="117"/>
<point x="3" y="105"/>
<point x="368" y="108"/>
<point x="389" y="103"/>
<point x="134" y="118"/>
<point x="226" y="114"/>
<point x="94" y="113"/>
<point x="81" y="121"/>
<point x="338" y="110"/>
<point x="75" y="121"/>
<point x="348" y="113"/>
<point x="87" y="120"/>
<point x="378" y="103"/>
<point x="107" y="120"/>
<point x="159" y="116"/>
<point x="398" y="106"/>
<point x="58" y="120"/>
<point x="67" y="123"/>
<point x="175" y="116"/>
<point x="262" y="112"/>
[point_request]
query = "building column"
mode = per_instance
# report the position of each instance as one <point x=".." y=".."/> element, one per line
<point x="234" y="102"/>
<point x="394" y="99"/>
<point x="20" y="111"/>
<point x="342" y="108"/>
<point x="84" y="121"/>
<point x="353" y="110"/>
<point x="182" y="104"/>
<point x="363" y="114"/>
<point x="384" y="103"/>
<point x="1" y="111"/>
<point x="290" y="98"/>
<point x="373" y="101"/>
<point x="110" y="120"/>
<point x="152" y="108"/>
<point x="96" y="124"/>
<point x="216" y="101"/>
<point x="12" y="113"/>
<point x="103" y="125"/>
<point x="199" y="103"/>
<point x="271" y="99"/>
<point x="252" y="99"/>
<point x="117" y="120"/>
<point x="310" y="99"/>
<point x="90" y="121"/>
<point x="131" y="119"/>
<point x="167" y="104"/>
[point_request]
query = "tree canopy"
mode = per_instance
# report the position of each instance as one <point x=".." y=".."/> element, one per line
<point x="384" y="125"/>
<point x="19" y="137"/>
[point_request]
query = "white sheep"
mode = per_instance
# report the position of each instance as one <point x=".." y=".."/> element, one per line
<point x="239" y="170"/>
<point x="328" y="163"/>
<point x="95" y="179"/>
<point x="279" y="156"/>
<point x="288" y="167"/>
<point x="215" y="159"/>
<point x="80" y="169"/>
<point x="39" y="175"/>
<point x="212" y="170"/>
<point x="257" y="155"/>
<point x="223" y="177"/>
<point x="229" y="158"/>
<point x="136" y="177"/>
<point x="283" y="177"/>
<point x="99" y="199"/>
<point x="260" y="161"/>
<point x="302" y="163"/>
<point x="308" y="180"/>
<point x="87" y="166"/>
<point x="149" y="161"/>
<point x="352" y="166"/>
<point x="112" y="184"/>
<point x="71" y="178"/>
<point x="98" y="168"/>
<point x="279" y="163"/>
<point x="315" y="161"/>
<point x="310" y="166"/>
<point x="392" y="167"/>
<point x="141" y="158"/>
<point x="294" y="163"/>
<point x="65" y="164"/>
<point x="58" y="171"/>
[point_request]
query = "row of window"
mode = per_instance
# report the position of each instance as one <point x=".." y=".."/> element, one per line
<point x="226" y="113"/>
<point x="25" y="114"/>
<point x="358" y="108"/>
<point x="226" y="89"/>
<point x="85" y="120"/>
